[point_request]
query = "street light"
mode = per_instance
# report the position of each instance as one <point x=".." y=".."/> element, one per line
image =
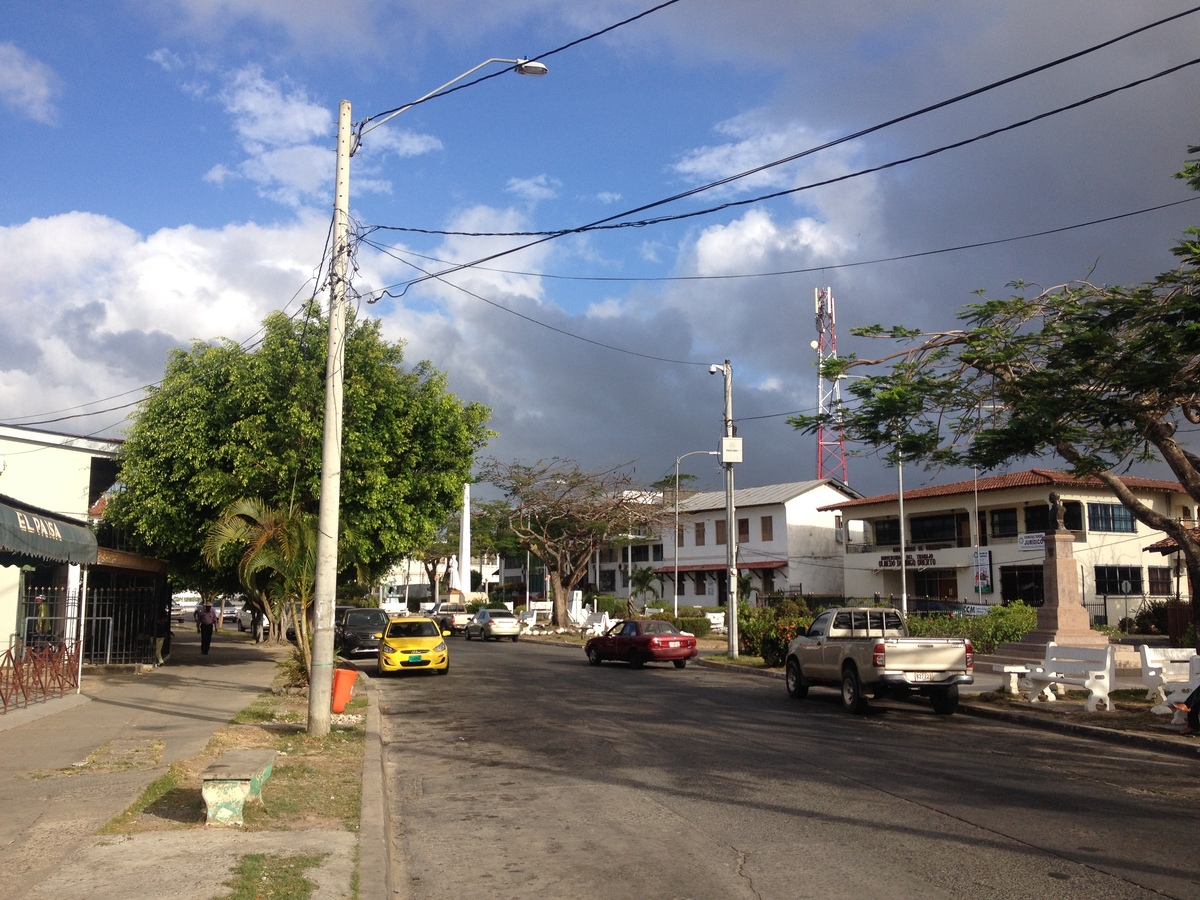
<point x="325" y="583"/>
<point x="731" y="452"/>
<point x="675" y="582"/>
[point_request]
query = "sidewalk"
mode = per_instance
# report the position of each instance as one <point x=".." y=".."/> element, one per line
<point x="70" y="765"/>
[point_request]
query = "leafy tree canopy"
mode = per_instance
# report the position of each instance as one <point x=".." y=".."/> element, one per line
<point x="1103" y="377"/>
<point x="228" y="423"/>
<point x="563" y="515"/>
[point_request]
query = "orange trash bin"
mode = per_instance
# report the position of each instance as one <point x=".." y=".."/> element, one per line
<point x="343" y="684"/>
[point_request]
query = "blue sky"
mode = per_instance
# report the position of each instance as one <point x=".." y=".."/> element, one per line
<point x="169" y="177"/>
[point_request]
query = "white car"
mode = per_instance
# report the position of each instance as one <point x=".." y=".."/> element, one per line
<point x="493" y="624"/>
<point x="245" y="619"/>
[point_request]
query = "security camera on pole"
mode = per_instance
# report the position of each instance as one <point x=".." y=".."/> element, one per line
<point x="730" y="453"/>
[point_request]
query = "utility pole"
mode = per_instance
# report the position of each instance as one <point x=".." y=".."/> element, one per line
<point x="731" y="452"/>
<point x="320" y="683"/>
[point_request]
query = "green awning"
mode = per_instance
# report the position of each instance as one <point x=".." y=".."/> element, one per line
<point x="29" y="535"/>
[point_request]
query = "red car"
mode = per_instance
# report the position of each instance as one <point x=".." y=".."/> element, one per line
<point x="638" y="641"/>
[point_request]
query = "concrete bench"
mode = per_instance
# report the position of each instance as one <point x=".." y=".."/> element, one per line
<point x="1092" y="668"/>
<point x="1163" y="667"/>
<point x="716" y="622"/>
<point x="234" y="779"/>
<point x="1178" y="692"/>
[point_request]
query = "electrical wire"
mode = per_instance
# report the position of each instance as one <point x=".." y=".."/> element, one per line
<point x="392" y="251"/>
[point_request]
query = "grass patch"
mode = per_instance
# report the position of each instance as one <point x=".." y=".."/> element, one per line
<point x="163" y="787"/>
<point x="316" y="781"/>
<point x="278" y="877"/>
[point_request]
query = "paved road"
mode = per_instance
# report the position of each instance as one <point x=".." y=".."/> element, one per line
<point x="527" y="773"/>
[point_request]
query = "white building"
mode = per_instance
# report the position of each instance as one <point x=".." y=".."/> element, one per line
<point x="787" y="541"/>
<point x="62" y="475"/>
<point x="980" y="541"/>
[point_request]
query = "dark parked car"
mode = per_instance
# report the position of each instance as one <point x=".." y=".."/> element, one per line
<point x="356" y="632"/>
<point x="639" y="641"/>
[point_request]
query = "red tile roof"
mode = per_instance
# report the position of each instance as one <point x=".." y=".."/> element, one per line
<point x="1028" y="478"/>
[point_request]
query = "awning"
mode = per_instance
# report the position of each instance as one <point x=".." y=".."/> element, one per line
<point x="29" y="535"/>
<point x="720" y="567"/>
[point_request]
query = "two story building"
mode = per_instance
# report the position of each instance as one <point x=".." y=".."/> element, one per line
<point x="788" y="541"/>
<point x="980" y="542"/>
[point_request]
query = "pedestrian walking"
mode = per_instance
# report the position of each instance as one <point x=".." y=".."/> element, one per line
<point x="208" y="621"/>
<point x="162" y="636"/>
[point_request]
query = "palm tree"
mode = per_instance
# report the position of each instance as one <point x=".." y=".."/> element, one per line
<point x="641" y="582"/>
<point x="278" y="562"/>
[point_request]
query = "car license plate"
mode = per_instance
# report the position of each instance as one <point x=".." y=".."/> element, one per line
<point x="923" y="676"/>
<point x="414" y="657"/>
<point x="672" y="643"/>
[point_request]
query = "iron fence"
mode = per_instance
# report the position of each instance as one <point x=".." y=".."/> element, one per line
<point x="32" y="673"/>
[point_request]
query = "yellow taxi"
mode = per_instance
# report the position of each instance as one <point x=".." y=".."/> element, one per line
<point x="413" y="643"/>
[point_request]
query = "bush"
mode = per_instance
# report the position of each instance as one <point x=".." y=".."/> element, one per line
<point x="1000" y="625"/>
<point x="699" y="627"/>
<point x="775" y="640"/>
<point x="1152" y="618"/>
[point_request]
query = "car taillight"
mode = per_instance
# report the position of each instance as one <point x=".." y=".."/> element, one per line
<point x="877" y="656"/>
<point x="970" y="656"/>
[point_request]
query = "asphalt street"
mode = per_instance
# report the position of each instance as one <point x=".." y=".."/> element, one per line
<point x="527" y="772"/>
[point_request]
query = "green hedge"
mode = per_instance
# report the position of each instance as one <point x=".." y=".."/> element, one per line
<point x="1000" y="625"/>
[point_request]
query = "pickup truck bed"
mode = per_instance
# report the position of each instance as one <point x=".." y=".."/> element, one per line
<point x="865" y="650"/>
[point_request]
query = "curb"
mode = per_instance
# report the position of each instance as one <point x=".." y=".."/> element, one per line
<point x="1013" y="717"/>
<point x="375" y="875"/>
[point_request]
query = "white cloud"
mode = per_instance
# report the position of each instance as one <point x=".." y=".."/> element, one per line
<point x="27" y="85"/>
<point x="535" y="189"/>
<point x="119" y="301"/>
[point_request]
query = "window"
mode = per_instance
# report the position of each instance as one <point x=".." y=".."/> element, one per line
<point x="887" y="531"/>
<point x="1037" y="517"/>
<point x="701" y="589"/>
<point x="720" y="531"/>
<point x="607" y="555"/>
<point x="699" y="534"/>
<point x="928" y="529"/>
<point x="940" y="584"/>
<point x="1110" y="517"/>
<point x="656" y="551"/>
<point x="1004" y="522"/>
<point x="1117" y="579"/>
<point x="1161" y="582"/>
<point x="1022" y="583"/>
<point x="679" y="537"/>
<point x="641" y="553"/>
<point x="743" y="531"/>
<point x="767" y="523"/>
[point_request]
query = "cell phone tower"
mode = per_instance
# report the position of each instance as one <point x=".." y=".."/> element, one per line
<point x="831" y="442"/>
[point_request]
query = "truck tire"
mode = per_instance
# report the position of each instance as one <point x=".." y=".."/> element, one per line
<point x="853" y="700"/>
<point x="794" y="680"/>
<point x="945" y="700"/>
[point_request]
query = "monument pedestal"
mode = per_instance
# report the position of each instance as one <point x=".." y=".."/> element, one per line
<point x="1062" y="618"/>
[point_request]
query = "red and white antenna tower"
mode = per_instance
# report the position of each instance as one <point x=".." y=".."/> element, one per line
<point x="831" y="442"/>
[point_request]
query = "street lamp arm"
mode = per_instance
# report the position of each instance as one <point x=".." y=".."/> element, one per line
<point x="520" y="66"/>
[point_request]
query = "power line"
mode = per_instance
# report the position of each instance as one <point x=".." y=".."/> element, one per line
<point x="392" y="251"/>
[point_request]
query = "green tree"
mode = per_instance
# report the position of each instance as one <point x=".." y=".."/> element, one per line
<point x="563" y="515"/>
<point x="227" y="423"/>
<point x="277" y="564"/>
<point x="641" y="583"/>
<point x="1102" y="377"/>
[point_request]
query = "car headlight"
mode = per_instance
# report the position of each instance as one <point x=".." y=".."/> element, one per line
<point x="440" y="647"/>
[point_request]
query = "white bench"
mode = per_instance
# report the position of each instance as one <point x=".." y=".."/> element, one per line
<point x="1163" y="666"/>
<point x="232" y="781"/>
<point x="1178" y="692"/>
<point x="596" y="623"/>
<point x="716" y="622"/>
<point x="1091" y="668"/>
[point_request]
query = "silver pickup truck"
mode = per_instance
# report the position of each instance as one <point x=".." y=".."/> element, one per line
<point x="868" y="650"/>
